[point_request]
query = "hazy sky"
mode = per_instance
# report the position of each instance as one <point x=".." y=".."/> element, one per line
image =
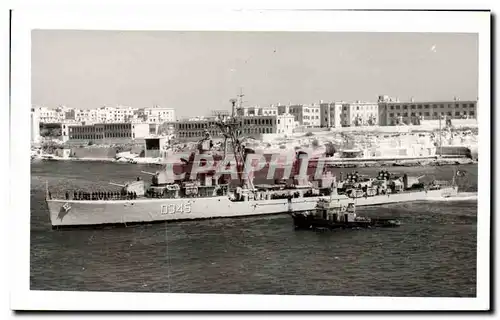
<point x="194" y="72"/>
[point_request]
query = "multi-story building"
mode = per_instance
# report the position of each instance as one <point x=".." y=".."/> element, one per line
<point x="244" y="111"/>
<point x="250" y="126"/>
<point x="285" y="123"/>
<point x="106" y="115"/>
<point x="359" y="114"/>
<point x="306" y="115"/>
<point x="48" y="115"/>
<point x="120" y="114"/>
<point x="271" y="110"/>
<point x="105" y="132"/>
<point x="394" y="112"/>
<point x="158" y="114"/>
<point x="330" y="114"/>
<point x="192" y="129"/>
<point x="220" y="113"/>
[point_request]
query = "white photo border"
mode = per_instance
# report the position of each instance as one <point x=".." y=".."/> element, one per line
<point x="157" y="18"/>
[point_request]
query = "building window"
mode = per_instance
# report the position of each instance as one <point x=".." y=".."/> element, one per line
<point x="441" y="106"/>
<point x="397" y="107"/>
<point x="391" y="115"/>
<point x="471" y="113"/>
<point x="419" y="106"/>
<point x="471" y="105"/>
<point x="392" y="107"/>
<point x="405" y="107"/>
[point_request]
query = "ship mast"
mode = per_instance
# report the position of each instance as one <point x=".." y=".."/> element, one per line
<point x="229" y="129"/>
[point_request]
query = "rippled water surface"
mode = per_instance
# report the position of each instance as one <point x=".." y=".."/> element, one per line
<point x="432" y="254"/>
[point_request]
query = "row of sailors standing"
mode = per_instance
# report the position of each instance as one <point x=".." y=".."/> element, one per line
<point x="102" y="195"/>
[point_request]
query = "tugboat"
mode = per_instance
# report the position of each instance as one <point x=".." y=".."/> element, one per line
<point x="338" y="212"/>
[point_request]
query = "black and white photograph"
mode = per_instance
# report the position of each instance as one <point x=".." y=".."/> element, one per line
<point x="329" y="165"/>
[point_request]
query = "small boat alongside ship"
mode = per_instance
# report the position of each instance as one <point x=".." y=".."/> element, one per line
<point x="338" y="212"/>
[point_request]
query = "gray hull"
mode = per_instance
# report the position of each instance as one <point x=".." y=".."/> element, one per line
<point x="149" y="210"/>
<point x="81" y="212"/>
<point x="407" y="197"/>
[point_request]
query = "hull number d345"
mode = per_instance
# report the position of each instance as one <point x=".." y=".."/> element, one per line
<point x="176" y="208"/>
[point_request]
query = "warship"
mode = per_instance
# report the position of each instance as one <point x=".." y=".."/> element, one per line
<point x="213" y="194"/>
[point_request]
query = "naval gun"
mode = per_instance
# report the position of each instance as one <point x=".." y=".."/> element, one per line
<point x="162" y="177"/>
<point x="136" y="187"/>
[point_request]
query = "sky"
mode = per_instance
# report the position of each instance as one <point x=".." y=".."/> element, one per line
<point x="195" y="72"/>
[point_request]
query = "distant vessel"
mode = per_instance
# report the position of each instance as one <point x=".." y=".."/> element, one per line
<point x="211" y="195"/>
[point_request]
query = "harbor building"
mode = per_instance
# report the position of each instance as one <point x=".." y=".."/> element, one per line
<point x="306" y="115"/>
<point x="220" y="113"/>
<point x="48" y="115"/>
<point x="359" y="113"/>
<point x="244" y="111"/>
<point x="156" y="114"/>
<point x="394" y="112"/>
<point x="330" y="114"/>
<point x="348" y="114"/>
<point x="107" y="114"/>
<point x="104" y="132"/>
<point x="249" y="126"/>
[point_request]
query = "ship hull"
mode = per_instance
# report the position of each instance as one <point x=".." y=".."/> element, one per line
<point x="151" y="210"/>
<point x="407" y="197"/>
<point x="81" y="212"/>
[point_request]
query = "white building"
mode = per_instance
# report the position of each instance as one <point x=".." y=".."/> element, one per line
<point x="359" y="114"/>
<point x="48" y="115"/>
<point x="285" y="123"/>
<point x="306" y="115"/>
<point x="158" y="114"/>
<point x="249" y="126"/>
<point x="105" y="132"/>
<point x="330" y="114"/>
